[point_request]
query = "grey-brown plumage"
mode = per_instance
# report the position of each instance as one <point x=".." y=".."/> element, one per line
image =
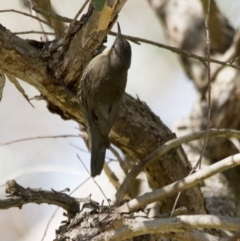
<point x="100" y="92"/>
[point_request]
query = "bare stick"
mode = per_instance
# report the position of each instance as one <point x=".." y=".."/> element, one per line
<point x="20" y="196"/>
<point x="208" y="87"/>
<point x="51" y="15"/>
<point x="155" y="155"/>
<point x="38" y="137"/>
<point x="185" y="183"/>
<point x="44" y="36"/>
<point x="179" y="51"/>
<point x="35" y="32"/>
<point x="179" y="194"/>
<point x="26" y="14"/>
<point x="12" y="79"/>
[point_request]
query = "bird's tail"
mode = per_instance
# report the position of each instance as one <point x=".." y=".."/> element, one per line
<point x="98" y="151"/>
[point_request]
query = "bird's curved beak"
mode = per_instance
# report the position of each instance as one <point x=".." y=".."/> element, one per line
<point x="119" y="30"/>
<point x="119" y="35"/>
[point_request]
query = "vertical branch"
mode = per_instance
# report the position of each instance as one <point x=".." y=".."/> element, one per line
<point x="208" y="98"/>
<point x="208" y="86"/>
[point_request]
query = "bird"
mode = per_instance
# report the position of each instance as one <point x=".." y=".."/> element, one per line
<point x="100" y="93"/>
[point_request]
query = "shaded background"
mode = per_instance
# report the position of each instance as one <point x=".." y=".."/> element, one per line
<point x="155" y="77"/>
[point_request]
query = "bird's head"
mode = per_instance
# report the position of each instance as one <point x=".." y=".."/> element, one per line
<point x="121" y="50"/>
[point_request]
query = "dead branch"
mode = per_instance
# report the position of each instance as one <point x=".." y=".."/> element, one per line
<point x="177" y="224"/>
<point x="181" y="185"/>
<point x="19" y="196"/>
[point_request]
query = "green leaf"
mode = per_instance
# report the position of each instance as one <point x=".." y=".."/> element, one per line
<point x="98" y="5"/>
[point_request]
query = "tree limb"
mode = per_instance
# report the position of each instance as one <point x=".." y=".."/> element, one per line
<point x="177" y="224"/>
<point x="20" y="196"/>
<point x="179" y="186"/>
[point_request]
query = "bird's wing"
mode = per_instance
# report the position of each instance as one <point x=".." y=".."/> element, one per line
<point x="96" y="114"/>
<point x="100" y="117"/>
<point x="113" y="113"/>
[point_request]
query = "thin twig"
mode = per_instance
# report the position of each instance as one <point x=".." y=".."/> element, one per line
<point x="35" y="32"/>
<point x="51" y="15"/>
<point x="198" y="164"/>
<point x="179" y="51"/>
<point x="157" y="153"/>
<point x="132" y="39"/>
<point x="26" y="14"/>
<point x="38" y="137"/>
<point x="80" y="149"/>
<point x="179" y="194"/>
<point x="33" y="13"/>
<point x="75" y="18"/>
<point x="20" y="196"/>
<point x="13" y="79"/>
<point x="87" y="151"/>
<point x="111" y="175"/>
<point x="94" y="180"/>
